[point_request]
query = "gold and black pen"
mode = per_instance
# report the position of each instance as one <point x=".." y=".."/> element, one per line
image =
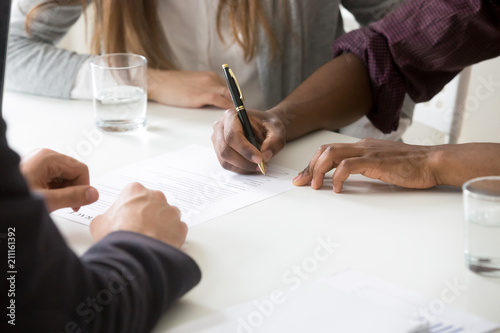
<point x="237" y="96"/>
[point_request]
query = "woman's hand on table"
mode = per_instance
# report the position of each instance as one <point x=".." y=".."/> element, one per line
<point x="190" y="89"/>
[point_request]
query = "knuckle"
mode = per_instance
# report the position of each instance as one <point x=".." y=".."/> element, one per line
<point x="172" y="212"/>
<point x="365" y="141"/>
<point x="181" y="231"/>
<point x="225" y="152"/>
<point x="217" y="124"/>
<point x="372" y="155"/>
<point x="85" y="168"/>
<point x="44" y="151"/>
<point x="346" y="164"/>
<point x="184" y="229"/>
<point x="135" y="186"/>
<point x="229" y="137"/>
<point x="226" y="165"/>
<point x="323" y="147"/>
<point x="329" y="150"/>
<point x="159" y="195"/>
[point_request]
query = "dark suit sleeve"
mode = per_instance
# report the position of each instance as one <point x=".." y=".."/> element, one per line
<point x="124" y="283"/>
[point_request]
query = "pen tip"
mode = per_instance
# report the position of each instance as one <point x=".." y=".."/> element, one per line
<point x="262" y="168"/>
<point x="224" y="66"/>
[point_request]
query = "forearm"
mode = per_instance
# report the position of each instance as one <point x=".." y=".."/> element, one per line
<point x="35" y="64"/>
<point x="149" y="276"/>
<point x="419" y="48"/>
<point x="336" y="95"/>
<point x="455" y="164"/>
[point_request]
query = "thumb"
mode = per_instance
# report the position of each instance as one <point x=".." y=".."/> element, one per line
<point x="272" y="144"/>
<point x="71" y="196"/>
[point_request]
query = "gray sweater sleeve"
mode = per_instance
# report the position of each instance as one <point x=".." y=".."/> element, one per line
<point x="34" y="64"/>
<point x="368" y="11"/>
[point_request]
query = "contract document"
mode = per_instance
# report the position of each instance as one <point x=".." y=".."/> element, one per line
<point x="193" y="180"/>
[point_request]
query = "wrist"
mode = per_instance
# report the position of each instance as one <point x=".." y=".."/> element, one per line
<point x="442" y="165"/>
<point x="456" y="163"/>
<point x="154" y="78"/>
<point x="435" y="159"/>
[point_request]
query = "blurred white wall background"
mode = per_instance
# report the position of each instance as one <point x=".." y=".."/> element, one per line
<point x="76" y="39"/>
<point x="482" y="113"/>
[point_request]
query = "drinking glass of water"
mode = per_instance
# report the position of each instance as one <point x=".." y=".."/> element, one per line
<point x="482" y="225"/>
<point x="119" y="83"/>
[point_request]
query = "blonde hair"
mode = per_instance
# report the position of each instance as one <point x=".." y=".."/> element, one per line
<point x="142" y="33"/>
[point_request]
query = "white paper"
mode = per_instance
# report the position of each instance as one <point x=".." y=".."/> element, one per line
<point x="348" y="302"/>
<point x="193" y="180"/>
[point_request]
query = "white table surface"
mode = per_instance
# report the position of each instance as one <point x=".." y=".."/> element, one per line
<point x="412" y="238"/>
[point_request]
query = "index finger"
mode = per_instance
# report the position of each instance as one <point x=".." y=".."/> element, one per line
<point x="326" y="158"/>
<point x="305" y="176"/>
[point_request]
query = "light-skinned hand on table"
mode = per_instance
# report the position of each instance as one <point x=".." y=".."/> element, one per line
<point x="64" y="182"/>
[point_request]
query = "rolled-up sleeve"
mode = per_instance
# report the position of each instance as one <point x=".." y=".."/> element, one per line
<point x="419" y="48"/>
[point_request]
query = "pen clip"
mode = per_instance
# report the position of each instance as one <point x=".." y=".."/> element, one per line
<point x="237" y="85"/>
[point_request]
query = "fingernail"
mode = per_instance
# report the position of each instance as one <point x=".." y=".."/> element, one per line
<point x="91" y="195"/>
<point x="296" y="179"/>
<point x="256" y="159"/>
<point x="267" y="155"/>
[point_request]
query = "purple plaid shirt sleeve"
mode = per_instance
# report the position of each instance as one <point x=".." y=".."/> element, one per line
<point x="420" y="47"/>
